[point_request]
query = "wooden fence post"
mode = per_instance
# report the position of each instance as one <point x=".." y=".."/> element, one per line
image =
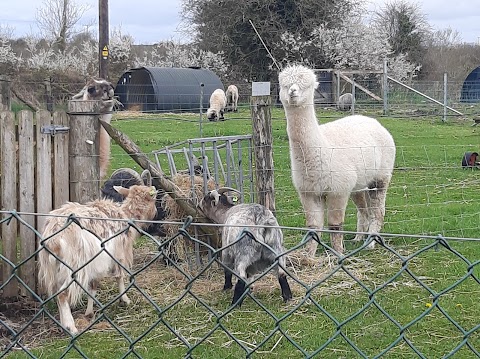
<point x="5" y="94"/>
<point x="84" y="150"/>
<point x="262" y="145"/>
<point x="8" y="185"/>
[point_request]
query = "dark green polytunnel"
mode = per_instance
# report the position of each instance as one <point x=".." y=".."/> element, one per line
<point x="471" y="87"/>
<point x="167" y="89"/>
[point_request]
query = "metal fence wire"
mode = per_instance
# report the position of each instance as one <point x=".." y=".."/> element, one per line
<point x="412" y="296"/>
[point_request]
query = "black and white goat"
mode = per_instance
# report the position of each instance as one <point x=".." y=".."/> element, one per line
<point x="75" y="255"/>
<point x="251" y="240"/>
<point x="127" y="177"/>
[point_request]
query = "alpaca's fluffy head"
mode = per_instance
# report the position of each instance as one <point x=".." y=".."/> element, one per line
<point x="97" y="90"/>
<point x="297" y="85"/>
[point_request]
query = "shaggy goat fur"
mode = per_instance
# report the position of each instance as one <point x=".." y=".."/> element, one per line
<point x="351" y="157"/>
<point x="218" y="101"/>
<point x="232" y="98"/>
<point x="254" y="248"/>
<point x="68" y="246"/>
<point x="127" y="177"/>
<point x="100" y="90"/>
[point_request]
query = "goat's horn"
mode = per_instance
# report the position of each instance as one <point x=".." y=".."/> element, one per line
<point x="227" y="189"/>
<point x="215" y="195"/>
<point x="130" y="171"/>
<point x="146" y="178"/>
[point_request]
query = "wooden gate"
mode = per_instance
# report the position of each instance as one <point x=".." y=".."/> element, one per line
<point x="34" y="179"/>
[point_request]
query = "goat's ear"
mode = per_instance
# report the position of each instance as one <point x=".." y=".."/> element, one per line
<point x="316" y="84"/>
<point x="122" y="190"/>
<point x="153" y="192"/>
<point x="78" y="95"/>
<point x="91" y="89"/>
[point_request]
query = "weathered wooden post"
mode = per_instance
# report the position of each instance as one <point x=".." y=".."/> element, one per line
<point x="84" y="150"/>
<point x="5" y="94"/>
<point x="47" y="83"/>
<point x="8" y="185"/>
<point x="260" y="104"/>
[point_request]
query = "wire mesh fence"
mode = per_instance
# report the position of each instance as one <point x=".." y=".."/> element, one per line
<point x="415" y="98"/>
<point x="412" y="296"/>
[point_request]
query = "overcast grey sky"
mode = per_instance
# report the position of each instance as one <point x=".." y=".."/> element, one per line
<point x="150" y="21"/>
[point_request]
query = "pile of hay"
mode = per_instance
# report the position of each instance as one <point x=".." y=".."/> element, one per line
<point x="179" y="248"/>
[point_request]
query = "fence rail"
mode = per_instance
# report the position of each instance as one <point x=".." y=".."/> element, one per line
<point x="398" y="300"/>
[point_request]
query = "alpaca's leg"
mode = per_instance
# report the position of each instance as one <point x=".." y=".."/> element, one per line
<point x="66" y="318"/>
<point x="360" y="200"/>
<point x="376" y="203"/>
<point x="104" y="152"/>
<point x="336" y="205"/>
<point x="313" y="206"/>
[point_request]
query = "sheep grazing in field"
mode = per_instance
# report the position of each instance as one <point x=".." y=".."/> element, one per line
<point x="247" y="256"/>
<point x="350" y="157"/>
<point x="345" y="102"/>
<point x="100" y="90"/>
<point x="218" y="101"/>
<point x="232" y="98"/>
<point x="127" y="177"/>
<point x="72" y="260"/>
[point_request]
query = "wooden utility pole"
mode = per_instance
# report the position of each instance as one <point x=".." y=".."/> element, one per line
<point x="103" y="39"/>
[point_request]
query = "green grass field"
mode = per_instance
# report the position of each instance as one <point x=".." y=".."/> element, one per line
<point x="410" y="299"/>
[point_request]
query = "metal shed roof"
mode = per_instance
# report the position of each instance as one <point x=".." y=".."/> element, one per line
<point x="471" y="87"/>
<point x="166" y="89"/>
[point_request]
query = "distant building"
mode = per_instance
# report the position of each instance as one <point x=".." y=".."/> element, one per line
<point x="471" y="87"/>
<point x="166" y="89"/>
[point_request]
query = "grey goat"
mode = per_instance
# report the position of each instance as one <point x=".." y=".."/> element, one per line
<point x="247" y="251"/>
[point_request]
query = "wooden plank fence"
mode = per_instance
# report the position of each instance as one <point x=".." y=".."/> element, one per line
<point x="37" y="153"/>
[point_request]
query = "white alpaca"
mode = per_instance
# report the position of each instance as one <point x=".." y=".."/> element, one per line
<point x="351" y="157"/>
<point x="104" y="91"/>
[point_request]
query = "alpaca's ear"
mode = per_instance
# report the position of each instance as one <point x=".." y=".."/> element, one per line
<point x="316" y="84"/>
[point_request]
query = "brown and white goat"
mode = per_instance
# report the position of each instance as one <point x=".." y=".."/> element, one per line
<point x="100" y="90"/>
<point x="74" y="256"/>
<point x="251" y="241"/>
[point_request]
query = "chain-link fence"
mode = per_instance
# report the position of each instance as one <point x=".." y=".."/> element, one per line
<point x="412" y="296"/>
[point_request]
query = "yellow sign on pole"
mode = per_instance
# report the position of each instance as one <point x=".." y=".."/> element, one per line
<point x="105" y="52"/>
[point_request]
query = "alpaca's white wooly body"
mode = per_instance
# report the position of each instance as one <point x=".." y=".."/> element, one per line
<point x="351" y="157"/>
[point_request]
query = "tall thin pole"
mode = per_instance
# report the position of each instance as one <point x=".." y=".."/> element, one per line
<point x="445" y="98"/>
<point x="103" y="39"/>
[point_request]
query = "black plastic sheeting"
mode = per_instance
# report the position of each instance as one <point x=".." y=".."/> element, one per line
<point x="166" y="89"/>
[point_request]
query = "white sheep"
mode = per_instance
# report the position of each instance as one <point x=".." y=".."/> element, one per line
<point x="232" y="98"/>
<point x="100" y="90"/>
<point x="72" y="259"/>
<point x="218" y="101"/>
<point x="345" y="102"/>
<point x="351" y="157"/>
<point x="241" y="253"/>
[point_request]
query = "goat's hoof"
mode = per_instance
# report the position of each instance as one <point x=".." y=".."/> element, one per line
<point x="227" y="287"/>
<point x="89" y="314"/>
